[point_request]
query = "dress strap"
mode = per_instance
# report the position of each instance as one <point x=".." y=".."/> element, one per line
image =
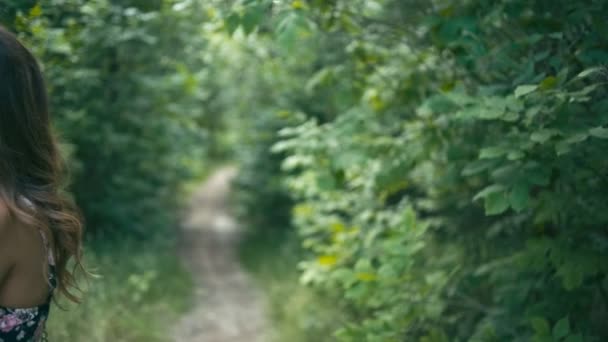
<point x="47" y="248"/>
<point x="51" y="263"/>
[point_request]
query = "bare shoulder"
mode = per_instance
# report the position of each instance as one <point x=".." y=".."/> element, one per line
<point x="13" y="233"/>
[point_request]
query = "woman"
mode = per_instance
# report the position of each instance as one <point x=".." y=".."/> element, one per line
<point x="39" y="228"/>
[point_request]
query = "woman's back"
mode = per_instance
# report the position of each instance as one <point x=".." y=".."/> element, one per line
<point x="22" y="250"/>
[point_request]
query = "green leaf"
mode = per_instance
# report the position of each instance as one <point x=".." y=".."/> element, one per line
<point x="588" y="72"/>
<point x="574" y="338"/>
<point x="325" y="181"/>
<point x="494" y="188"/>
<point x="249" y="22"/>
<point x="519" y="197"/>
<point x="599" y="132"/>
<point x="583" y="94"/>
<point x="538" y="176"/>
<point x="291" y="30"/>
<point x="510" y="117"/>
<point x="540" y="326"/>
<point x="492" y="152"/>
<point x="490" y="113"/>
<point x="505" y="172"/>
<point x="526" y="89"/>
<point x="562" y="148"/>
<point x="327" y="260"/>
<point x="515" y="155"/>
<point x="252" y="17"/>
<point x="561" y="328"/>
<point x="572" y="275"/>
<point x="496" y="203"/>
<point x="543" y="135"/>
<point x="477" y="166"/>
<point x="556" y="35"/>
<point x="232" y="22"/>
<point x="548" y="83"/>
<point x="320" y="78"/>
<point x="578" y="137"/>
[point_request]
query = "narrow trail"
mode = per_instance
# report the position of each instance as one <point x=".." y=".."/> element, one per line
<point x="228" y="307"/>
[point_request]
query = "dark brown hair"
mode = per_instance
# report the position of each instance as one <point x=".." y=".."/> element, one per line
<point x="31" y="172"/>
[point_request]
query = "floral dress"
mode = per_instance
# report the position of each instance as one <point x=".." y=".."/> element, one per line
<point x="27" y="324"/>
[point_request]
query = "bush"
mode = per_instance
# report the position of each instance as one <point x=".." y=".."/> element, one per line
<point x="141" y="290"/>
<point x="128" y="106"/>
<point x="447" y="164"/>
<point x="126" y="103"/>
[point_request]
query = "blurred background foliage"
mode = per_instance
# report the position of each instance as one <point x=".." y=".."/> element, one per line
<point x="444" y="160"/>
<point x="129" y="105"/>
<point x="410" y="170"/>
<point x="127" y="101"/>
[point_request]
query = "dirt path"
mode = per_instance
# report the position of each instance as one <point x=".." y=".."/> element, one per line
<point x="228" y="307"/>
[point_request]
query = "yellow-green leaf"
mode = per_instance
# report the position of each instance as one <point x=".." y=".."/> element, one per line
<point x="548" y="83"/>
<point x="366" y="276"/>
<point x="327" y="260"/>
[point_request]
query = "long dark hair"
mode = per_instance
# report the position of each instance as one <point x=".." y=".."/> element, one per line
<point x="31" y="170"/>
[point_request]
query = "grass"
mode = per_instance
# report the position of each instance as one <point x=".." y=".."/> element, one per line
<point x="297" y="313"/>
<point x="141" y="291"/>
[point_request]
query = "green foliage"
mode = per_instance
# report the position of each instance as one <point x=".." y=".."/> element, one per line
<point x="446" y="159"/>
<point x="297" y="313"/>
<point x="142" y="288"/>
<point x="128" y="102"/>
<point x="129" y="107"/>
